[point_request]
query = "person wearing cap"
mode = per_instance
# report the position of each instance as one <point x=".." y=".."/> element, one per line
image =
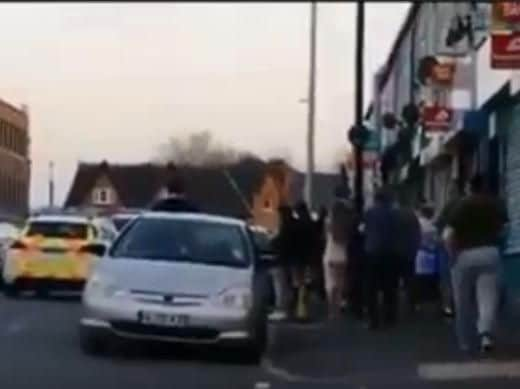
<point x="176" y="200"/>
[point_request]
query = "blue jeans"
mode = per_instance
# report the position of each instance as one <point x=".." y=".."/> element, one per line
<point x="476" y="284"/>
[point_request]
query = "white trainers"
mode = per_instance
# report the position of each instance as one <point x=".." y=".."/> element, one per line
<point x="277" y="316"/>
<point x="486" y="344"/>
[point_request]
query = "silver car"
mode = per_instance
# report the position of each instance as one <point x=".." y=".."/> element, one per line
<point x="177" y="277"/>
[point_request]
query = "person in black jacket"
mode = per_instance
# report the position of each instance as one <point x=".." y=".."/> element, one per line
<point x="176" y="200"/>
<point x="303" y="257"/>
<point x="283" y="244"/>
<point x="318" y="248"/>
<point x="355" y="267"/>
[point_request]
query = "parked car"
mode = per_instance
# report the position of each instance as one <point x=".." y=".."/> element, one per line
<point x="48" y="254"/>
<point x="186" y="278"/>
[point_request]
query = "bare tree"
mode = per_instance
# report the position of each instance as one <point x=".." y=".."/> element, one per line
<point x="280" y="152"/>
<point x="198" y="149"/>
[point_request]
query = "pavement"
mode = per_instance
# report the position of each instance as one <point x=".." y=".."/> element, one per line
<point x="39" y="348"/>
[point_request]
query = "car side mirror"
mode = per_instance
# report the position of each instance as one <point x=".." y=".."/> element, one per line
<point x="97" y="249"/>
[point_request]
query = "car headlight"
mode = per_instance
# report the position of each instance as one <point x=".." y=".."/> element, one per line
<point x="102" y="286"/>
<point x="234" y="298"/>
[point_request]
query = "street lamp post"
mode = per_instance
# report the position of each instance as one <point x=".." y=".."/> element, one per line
<point x="311" y="107"/>
<point x="51" y="184"/>
<point x="358" y="133"/>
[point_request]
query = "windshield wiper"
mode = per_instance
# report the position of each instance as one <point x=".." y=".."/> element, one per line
<point x="180" y="258"/>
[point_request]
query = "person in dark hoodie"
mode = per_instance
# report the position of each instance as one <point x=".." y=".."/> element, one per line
<point x="303" y="252"/>
<point x="381" y="229"/>
<point x="319" y="241"/>
<point x="283" y="244"/>
<point x="176" y="200"/>
<point x="356" y="266"/>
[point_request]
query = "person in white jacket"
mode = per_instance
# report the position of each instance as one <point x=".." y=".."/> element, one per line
<point x="426" y="277"/>
<point x="335" y="257"/>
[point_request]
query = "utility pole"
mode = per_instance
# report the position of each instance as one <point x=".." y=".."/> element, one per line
<point x="358" y="148"/>
<point x="311" y="107"/>
<point x="51" y="184"/>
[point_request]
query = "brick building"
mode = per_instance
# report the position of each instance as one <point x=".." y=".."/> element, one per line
<point x="15" y="163"/>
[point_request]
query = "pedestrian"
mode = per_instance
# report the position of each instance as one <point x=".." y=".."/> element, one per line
<point x="380" y="227"/>
<point x="408" y="244"/>
<point x="283" y="244"/>
<point x="319" y="239"/>
<point x="355" y="269"/>
<point x="446" y="259"/>
<point x="426" y="269"/>
<point x="176" y="199"/>
<point x="303" y="252"/>
<point x="334" y="258"/>
<point x="475" y="228"/>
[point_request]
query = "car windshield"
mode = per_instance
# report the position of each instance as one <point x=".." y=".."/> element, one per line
<point x="63" y="230"/>
<point x="121" y="221"/>
<point x="183" y="240"/>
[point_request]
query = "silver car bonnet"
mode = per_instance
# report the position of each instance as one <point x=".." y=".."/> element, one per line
<point x="172" y="277"/>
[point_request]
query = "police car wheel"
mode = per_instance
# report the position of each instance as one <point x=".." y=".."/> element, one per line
<point x="42" y="292"/>
<point x="11" y="290"/>
<point x="91" y="343"/>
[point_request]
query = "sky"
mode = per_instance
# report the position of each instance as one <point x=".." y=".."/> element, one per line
<point x="114" y="81"/>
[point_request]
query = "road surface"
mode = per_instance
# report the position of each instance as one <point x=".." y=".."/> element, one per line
<point x="39" y="349"/>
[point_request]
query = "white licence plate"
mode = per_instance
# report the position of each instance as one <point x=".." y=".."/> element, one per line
<point x="163" y="319"/>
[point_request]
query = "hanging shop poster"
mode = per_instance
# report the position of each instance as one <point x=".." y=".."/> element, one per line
<point x="437" y="118"/>
<point x="505" y="51"/>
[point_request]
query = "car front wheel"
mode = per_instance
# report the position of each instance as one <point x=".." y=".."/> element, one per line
<point x="92" y="343"/>
<point x="11" y="290"/>
<point x="255" y="349"/>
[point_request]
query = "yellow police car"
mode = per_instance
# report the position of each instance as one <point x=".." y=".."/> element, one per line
<point x="48" y="255"/>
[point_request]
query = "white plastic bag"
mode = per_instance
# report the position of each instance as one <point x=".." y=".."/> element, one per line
<point x="426" y="262"/>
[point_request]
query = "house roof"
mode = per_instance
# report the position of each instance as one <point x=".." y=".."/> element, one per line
<point x="324" y="186"/>
<point x="138" y="184"/>
<point x="226" y="191"/>
<point x="248" y="175"/>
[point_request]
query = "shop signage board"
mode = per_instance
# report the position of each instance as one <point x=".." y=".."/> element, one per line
<point x="505" y="16"/>
<point x="505" y="51"/>
<point x="437" y="118"/>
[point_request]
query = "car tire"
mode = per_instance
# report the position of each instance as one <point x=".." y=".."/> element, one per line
<point x="42" y="293"/>
<point x="255" y="350"/>
<point x="92" y="344"/>
<point x="11" y="290"/>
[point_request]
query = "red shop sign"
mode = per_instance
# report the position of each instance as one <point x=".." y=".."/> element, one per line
<point x="505" y="51"/>
<point x="436" y="118"/>
<point x="507" y="11"/>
